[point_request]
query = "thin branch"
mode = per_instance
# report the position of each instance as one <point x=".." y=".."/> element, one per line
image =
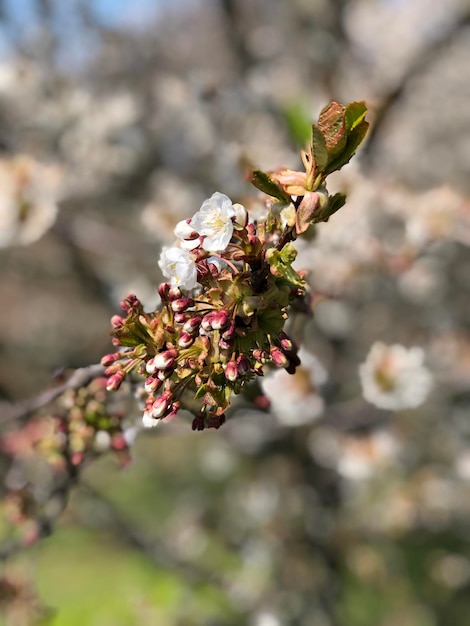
<point x="18" y="411"/>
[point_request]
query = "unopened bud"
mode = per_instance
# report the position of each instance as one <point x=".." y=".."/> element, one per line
<point x="241" y="214"/>
<point x="174" y="293"/>
<point x="180" y="318"/>
<point x="285" y="341"/>
<point x="228" y="333"/>
<point x="191" y="326"/>
<point x="231" y="371"/>
<point x="184" y="230"/>
<point x="150" y="366"/>
<point x="260" y="355"/>
<point x="161" y="405"/>
<point x="278" y="357"/>
<point x="185" y="340"/>
<point x="152" y="384"/>
<point x="215" y="320"/>
<point x="225" y="344"/>
<point x="175" y="407"/>
<point x="115" y="381"/>
<point x="130" y="302"/>
<point x="163" y="291"/>
<point x="117" y="321"/>
<point x="243" y="365"/>
<point x="109" y="359"/>
<point x="181" y="304"/>
<point x="148" y="421"/>
<point x="165" y="360"/>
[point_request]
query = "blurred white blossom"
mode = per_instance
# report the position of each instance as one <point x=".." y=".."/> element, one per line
<point x="294" y="398"/>
<point x="394" y="377"/>
<point x="29" y="193"/>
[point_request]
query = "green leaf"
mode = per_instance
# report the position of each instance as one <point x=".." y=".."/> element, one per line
<point x="318" y="148"/>
<point x="355" y="113"/>
<point x="333" y="127"/>
<point x="335" y="203"/>
<point x="267" y="185"/>
<point x="200" y="392"/>
<point x="281" y="262"/>
<point x="355" y="138"/>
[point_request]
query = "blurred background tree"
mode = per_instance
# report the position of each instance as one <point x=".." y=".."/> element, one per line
<point x="116" y="120"/>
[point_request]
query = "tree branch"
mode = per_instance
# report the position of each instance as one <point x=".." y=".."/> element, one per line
<point x="19" y="411"/>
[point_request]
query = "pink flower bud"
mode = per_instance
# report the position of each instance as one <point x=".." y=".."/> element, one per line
<point x="181" y="304"/>
<point x="175" y="407"/>
<point x="180" y="318"/>
<point x="117" y="321"/>
<point x="118" y="442"/>
<point x="130" y="302"/>
<point x="163" y="291"/>
<point x="115" y="381"/>
<point x="260" y="355"/>
<point x="165" y="374"/>
<point x="278" y="357"/>
<point x="165" y="360"/>
<point x="285" y="341"/>
<point x="215" y="320"/>
<point x="231" y="371"/>
<point x="174" y="293"/>
<point x="161" y="405"/>
<point x="150" y="366"/>
<point x="225" y="344"/>
<point x="228" y="334"/>
<point x="152" y="384"/>
<point x="243" y="365"/>
<point x="191" y="326"/>
<point x="109" y="359"/>
<point x="185" y="340"/>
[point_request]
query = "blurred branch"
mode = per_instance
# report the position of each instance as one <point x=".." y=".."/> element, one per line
<point x="10" y="412"/>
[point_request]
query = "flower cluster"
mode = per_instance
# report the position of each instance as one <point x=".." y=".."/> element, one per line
<point x="230" y="283"/>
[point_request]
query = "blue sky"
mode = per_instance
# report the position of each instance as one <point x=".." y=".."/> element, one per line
<point x="126" y="14"/>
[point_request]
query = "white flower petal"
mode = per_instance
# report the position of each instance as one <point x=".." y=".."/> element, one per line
<point x="177" y="265"/>
<point x="214" y="222"/>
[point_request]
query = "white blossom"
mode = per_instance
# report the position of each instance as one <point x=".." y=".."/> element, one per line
<point x="214" y="222"/>
<point x="394" y="377"/>
<point x="177" y="265"/>
<point x="29" y="193"/>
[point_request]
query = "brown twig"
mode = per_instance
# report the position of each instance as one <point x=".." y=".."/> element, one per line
<point x="17" y="411"/>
